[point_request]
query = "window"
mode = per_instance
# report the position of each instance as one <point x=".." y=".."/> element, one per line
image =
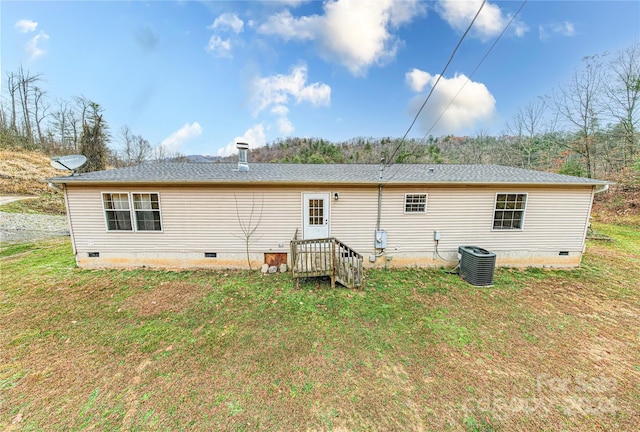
<point x="316" y="212"/>
<point x="509" y="211"/>
<point x="117" y="211"/>
<point x="147" y="211"/>
<point x="415" y="203"/>
<point x="120" y="214"/>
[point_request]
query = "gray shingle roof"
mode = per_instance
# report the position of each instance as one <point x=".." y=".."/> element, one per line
<point x="225" y="173"/>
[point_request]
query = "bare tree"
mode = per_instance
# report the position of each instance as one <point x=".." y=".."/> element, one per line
<point x="76" y="128"/>
<point x="12" y="87"/>
<point x="250" y="226"/>
<point x="40" y="108"/>
<point x="126" y="144"/>
<point x="525" y="126"/>
<point x="623" y="98"/>
<point x="62" y="125"/>
<point x="159" y="153"/>
<point x="20" y="87"/>
<point x="135" y="149"/>
<point x="472" y="150"/>
<point x="5" y="127"/>
<point x="580" y="105"/>
<point x="84" y="107"/>
<point x="178" y="157"/>
<point x="143" y="150"/>
<point x="25" y="83"/>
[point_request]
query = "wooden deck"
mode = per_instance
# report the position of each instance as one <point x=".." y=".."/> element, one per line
<point x="326" y="257"/>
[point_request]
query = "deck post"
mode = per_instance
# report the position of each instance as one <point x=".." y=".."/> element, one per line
<point x="333" y="264"/>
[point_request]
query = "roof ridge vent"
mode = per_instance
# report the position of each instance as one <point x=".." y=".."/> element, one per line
<point x="243" y="163"/>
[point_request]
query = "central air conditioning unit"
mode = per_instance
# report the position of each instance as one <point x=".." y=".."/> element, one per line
<point x="476" y="265"/>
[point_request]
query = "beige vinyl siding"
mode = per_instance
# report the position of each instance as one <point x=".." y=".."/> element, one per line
<point x="555" y="219"/>
<point x="197" y="219"/>
<point x="194" y="219"/>
<point x="353" y="217"/>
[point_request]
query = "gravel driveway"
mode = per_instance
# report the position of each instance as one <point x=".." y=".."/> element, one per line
<point x="19" y="228"/>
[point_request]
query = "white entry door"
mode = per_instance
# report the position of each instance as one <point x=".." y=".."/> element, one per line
<point x="316" y="215"/>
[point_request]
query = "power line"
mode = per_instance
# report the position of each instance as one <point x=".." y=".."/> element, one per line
<point x="474" y="71"/>
<point x="436" y="83"/>
<point x="468" y="79"/>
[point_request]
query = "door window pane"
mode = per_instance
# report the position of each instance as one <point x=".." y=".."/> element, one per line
<point x="316" y="212"/>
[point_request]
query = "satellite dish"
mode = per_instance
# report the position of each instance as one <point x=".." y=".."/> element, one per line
<point x="71" y="162"/>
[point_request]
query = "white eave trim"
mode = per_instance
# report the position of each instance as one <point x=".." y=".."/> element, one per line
<point x="600" y="187"/>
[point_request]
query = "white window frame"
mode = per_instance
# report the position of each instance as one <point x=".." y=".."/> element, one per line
<point x="105" y="210"/>
<point x="523" y="210"/>
<point x="132" y="212"/>
<point x="426" y="198"/>
<point x="135" y="216"/>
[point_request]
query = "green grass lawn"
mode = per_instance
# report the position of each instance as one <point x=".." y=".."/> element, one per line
<point x="417" y="349"/>
<point x="45" y="203"/>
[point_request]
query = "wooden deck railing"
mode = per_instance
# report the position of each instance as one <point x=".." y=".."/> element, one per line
<point x="326" y="257"/>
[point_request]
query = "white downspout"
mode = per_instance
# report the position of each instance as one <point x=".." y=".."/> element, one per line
<point x="73" y="239"/>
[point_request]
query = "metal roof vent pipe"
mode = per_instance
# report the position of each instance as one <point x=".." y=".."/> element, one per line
<point x="243" y="150"/>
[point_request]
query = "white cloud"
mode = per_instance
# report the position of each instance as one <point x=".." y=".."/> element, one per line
<point x="228" y="21"/>
<point x="285" y="127"/>
<point x="293" y="3"/>
<point x="519" y="28"/>
<point x="219" y="47"/>
<point x="177" y="139"/>
<point x="417" y="79"/>
<point x="277" y="90"/>
<point x="473" y="106"/>
<point x="33" y="47"/>
<point x="489" y="23"/>
<point x="288" y="27"/>
<point x="255" y="137"/>
<point x="26" y="26"/>
<point x="564" y="28"/>
<point x="356" y="34"/>
<point x="280" y="110"/>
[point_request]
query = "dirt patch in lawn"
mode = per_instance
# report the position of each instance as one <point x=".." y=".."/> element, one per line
<point x="166" y="297"/>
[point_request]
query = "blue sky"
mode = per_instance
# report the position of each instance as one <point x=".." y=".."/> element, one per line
<point x="197" y="76"/>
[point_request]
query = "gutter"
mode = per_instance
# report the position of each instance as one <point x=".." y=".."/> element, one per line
<point x="56" y="188"/>
<point x="226" y="182"/>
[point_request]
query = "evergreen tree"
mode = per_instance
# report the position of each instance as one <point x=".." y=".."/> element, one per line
<point x="94" y="139"/>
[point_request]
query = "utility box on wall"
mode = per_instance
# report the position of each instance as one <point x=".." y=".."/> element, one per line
<point x="477" y="265"/>
<point x="381" y="239"/>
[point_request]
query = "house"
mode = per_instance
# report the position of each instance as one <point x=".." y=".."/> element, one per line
<point x="219" y="215"/>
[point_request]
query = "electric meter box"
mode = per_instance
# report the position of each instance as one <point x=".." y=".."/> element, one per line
<point x="381" y="239"/>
